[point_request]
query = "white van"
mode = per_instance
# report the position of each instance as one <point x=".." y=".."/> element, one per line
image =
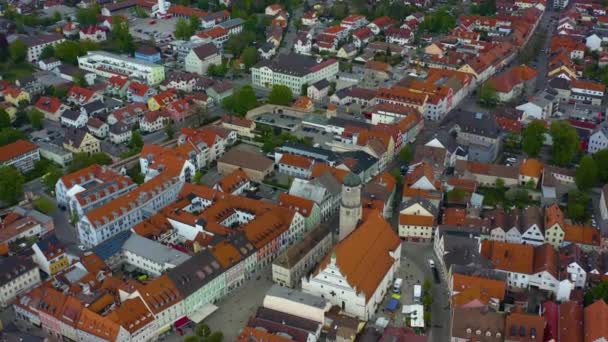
<point x="397" y="285"/>
<point x="417" y="294"/>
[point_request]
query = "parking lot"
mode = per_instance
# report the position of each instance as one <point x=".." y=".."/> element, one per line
<point x="236" y="308"/>
<point x="414" y="270"/>
<point x="161" y="31"/>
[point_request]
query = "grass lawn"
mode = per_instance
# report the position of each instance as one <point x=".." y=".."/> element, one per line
<point x="10" y="72"/>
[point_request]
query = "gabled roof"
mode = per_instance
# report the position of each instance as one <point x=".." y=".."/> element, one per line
<point x="48" y="104"/>
<point x="531" y="168"/>
<point x="524" y="327"/>
<point x="508" y="256"/>
<point x="571" y="322"/>
<point x="205" y="51"/>
<point x="15" y="149"/>
<point x="301" y="205"/>
<point x="596" y="316"/>
<point x="364" y="256"/>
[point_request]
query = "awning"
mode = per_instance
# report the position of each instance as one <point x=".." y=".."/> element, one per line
<point x="392" y="304"/>
<point x="181" y="322"/>
<point x="202" y="313"/>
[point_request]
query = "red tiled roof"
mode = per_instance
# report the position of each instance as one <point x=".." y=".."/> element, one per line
<point x="48" y="104"/>
<point x="297" y="161"/>
<point x="15" y="149"/>
<point x="301" y="205"/>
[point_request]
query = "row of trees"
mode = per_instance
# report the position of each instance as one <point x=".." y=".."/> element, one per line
<point x="184" y="29"/>
<point x="565" y="141"/>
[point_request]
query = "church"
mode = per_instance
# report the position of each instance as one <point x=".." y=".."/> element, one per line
<point x="360" y="270"/>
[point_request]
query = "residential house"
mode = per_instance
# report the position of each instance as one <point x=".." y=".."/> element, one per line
<point x="487" y="174"/>
<point x="93" y="33"/>
<point x="255" y="165"/>
<point x="50" y="255"/>
<point x="587" y="91"/>
<point x="36" y="43"/>
<point x="98" y="128"/>
<point x="21" y="154"/>
<point x="305" y="207"/>
<point x="514" y="82"/>
<point x="417" y="220"/>
<point x="120" y="133"/>
<point x="139" y="92"/>
<point x="220" y="90"/>
<point x="399" y="36"/>
<point x="15" y="96"/>
<point x="153" y="121"/>
<point x="20" y="275"/>
<point x="117" y="86"/>
<point x="480" y="133"/>
<point x="89" y="188"/>
<point x="243" y="127"/>
<point x="267" y="51"/>
<point x="295" y="166"/>
<point x="293" y="71"/>
<point x="200" y="58"/>
<point x="324" y="190"/>
<point x="78" y="140"/>
<point x="73" y="119"/>
<point x="148" y="54"/>
<point x="594" y="315"/>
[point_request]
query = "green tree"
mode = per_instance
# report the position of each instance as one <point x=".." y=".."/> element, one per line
<point x="9" y="135"/>
<point x="198" y="176"/>
<point x="82" y="160"/>
<point x="35" y="117"/>
<point x="565" y="142"/>
<point x="456" y="195"/>
<point x="192" y="338"/>
<point x="586" y="173"/>
<point x="241" y="101"/>
<point x="500" y="183"/>
<point x="597" y="292"/>
<point x="52" y="175"/>
<point x="18" y="51"/>
<point x="203" y="4"/>
<point x="438" y="22"/>
<point x="4" y="51"/>
<point x="487" y="94"/>
<point x="47" y="52"/>
<point x="183" y="29"/>
<point x="249" y="56"/>
<point x="406" y="154"/>
<point x="137" y="142"/>
<point x="202" y="330"/>
<point x="201" y="114"/>
<point x="120" y="35"/>
<point x="88" y="16"/>
<point x="280" y="95"/>
<point x="195" y="24"/>
<point x="533" y="138"/>
<point x="11" y="184"/>
<point x="44" y="205"/>
<point x="170" y="130"/>
<point x="238" y="42"/>
<point x="601" y="160"/>
<point x="217" y="336"/>
<point x="578" y="202"/>
<point x="5" y="119"/>
<point x="68" y="51"/>
<point x="396" y="173"/>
